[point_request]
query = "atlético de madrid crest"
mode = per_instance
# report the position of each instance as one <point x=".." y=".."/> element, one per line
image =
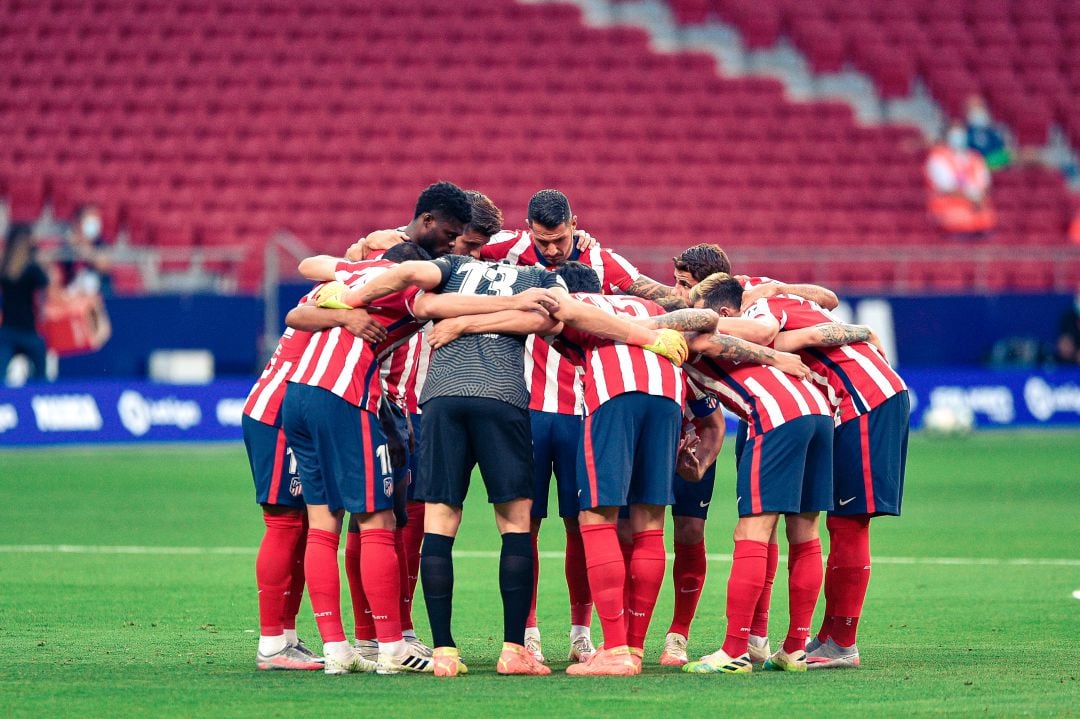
<point x="387" y="486"/>
<point x="295" y="488"/>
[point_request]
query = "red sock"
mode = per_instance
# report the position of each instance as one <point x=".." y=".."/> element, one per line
<point x="760" y="626"/>
<point x="413" y="535"/>
<point x="274" y="568"/>
<point x="607" y="580"/>
<point x="296" y="583"/>
<point x="688" y="573"/>
<point x="847" y="576"/>
<point x="627" y="552"/>
<point x="804" y="586"/>
<point x="577" y="580"/>
<point x="363" y="626"/>
<point x="743" y="590"/>
<point x="530" y="621"/>
<point x="382" y="584"/>
<point x="324" y="583"/>
<point x="647" y="571"/>
<point x="403" y="579"/>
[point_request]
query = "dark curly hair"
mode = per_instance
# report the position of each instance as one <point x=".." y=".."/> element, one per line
<point x="549" y="208"/>
<point x="579" y="277"/>
<point x="404" y="251"/>
<point x="446" y="199"/>
<point x="703" y="260"/>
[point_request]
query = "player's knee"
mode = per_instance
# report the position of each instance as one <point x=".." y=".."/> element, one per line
<point x="689" y="530"/>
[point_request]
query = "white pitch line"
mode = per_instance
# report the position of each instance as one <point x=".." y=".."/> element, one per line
<point x="488" y="554"/>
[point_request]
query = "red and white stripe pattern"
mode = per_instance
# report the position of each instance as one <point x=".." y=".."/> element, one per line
<point x="405" y="370"/>
<point x="263" y="402"/>
<point x="855" y="377"/>
<point x="614" y="368"/>
<point x="341" y="363"/>
<point x="763" y="396"/>
<point x="616" y="273"/>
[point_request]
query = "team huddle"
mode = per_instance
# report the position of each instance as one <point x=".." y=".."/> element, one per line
<point x="449" y="344"/>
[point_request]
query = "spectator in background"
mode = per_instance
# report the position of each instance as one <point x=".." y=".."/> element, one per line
<point x="959" y="184"/>
<point x="1068" y="343"/>
<point x="984" y="137"/>
<point x="84" y="259"/>
<point x="20" y="279"/>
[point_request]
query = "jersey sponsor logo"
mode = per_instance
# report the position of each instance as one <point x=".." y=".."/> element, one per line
<point x="9" y="418"/>
<point x="66" y="413"/>
<point x="845" y="502"/>
<point x="138" y="414"/>
<point x="229" y="412"/>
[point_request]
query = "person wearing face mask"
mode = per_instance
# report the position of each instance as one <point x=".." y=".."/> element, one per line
<point x="958" y="181"/>
<point x="984" y="137"/>
<point x="84" y="262"/>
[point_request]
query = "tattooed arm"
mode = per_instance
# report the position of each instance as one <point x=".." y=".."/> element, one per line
<point x="815" y="293"/>
<point x="826" y="334"/>
<point x="650" y="289"/>
<point x="685" y="320"/>
<point x="734" y="349"/>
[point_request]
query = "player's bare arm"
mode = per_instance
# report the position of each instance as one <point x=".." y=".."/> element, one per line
<point x="759" y="330"/>
<point x="431" y="306"/>
<point x="309" y="318"/>
<point x="685" y="320"/>
<point x="815" y="293"/>
<point x="661" y="294"/>
<point x="826" y="334"/>
<point x="319" y="268"/>
<point x="735" y="349"/>
<point x="514" y="322"/>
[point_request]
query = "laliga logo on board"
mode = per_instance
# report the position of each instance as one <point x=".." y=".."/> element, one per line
<point x="139" y="414"/>
<point x="994" y="401"/>
<point x="9" y="418"/>
<point x="1043" y="401"/>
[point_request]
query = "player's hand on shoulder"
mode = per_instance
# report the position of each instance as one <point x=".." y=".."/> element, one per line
<point x="383" y="240"/>
<point x="585" y="241"/>
<point x="791" y="364"/>
<point x="361" y="324"/>
<point x="752" y="295"/>
<point x="537" y="299"/>
<point x="444" y="332"/>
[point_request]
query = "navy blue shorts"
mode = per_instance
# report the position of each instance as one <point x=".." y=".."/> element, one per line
<point x="870" y="454"/>
<point x="340" y="450"/>
<point x="692" y="499"/>
<point x="273" y="465"/>
<point x="628" y="450"/>
<point x="465" y="432"/>
<point x="555" y="446"/>
<point x="787" y="469"/>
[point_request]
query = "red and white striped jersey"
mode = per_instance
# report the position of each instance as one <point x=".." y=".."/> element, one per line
<point x="341" y="363"/>
<point x="264" y="400"/>
<point x="555" y="382"/>
<point x="855" y="377"/>
<point x="613" y="368"/>
<point x="615" y="271"/>
<point x="763" y="396"/>
<point x="405" y="370"/>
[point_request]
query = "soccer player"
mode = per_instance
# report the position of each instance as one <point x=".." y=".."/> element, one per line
<point x="870" y="451"/>
<point x="555" y="404"/>
<point x="279" y="567"/>
<point x="475" y="396"/>
<point x="784" y="467"/>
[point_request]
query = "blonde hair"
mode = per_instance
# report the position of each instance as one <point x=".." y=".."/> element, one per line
<point x="717" y="290"/>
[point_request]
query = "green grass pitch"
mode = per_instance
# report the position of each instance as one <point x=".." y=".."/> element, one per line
<point x="97" y="632"/>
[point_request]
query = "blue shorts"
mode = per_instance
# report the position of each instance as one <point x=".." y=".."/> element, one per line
<point x="273" y="465"/>
<point x="555" y="439"/>
<point x="627" y="452"/>
<point x="414" y="455"/>
<point x="395" y="425"/>
<point x="692" y="499"/>
<point x="870" y="454"/>
<point x="787" y="469"/>
<point x="340" y="450"/>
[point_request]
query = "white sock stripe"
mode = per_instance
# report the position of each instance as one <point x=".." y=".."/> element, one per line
<point x="485" y="554"/>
